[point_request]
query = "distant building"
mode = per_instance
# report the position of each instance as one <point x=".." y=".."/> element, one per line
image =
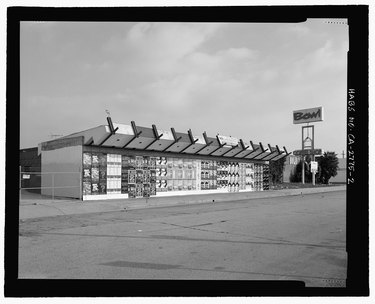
<point x="30" y="167"/>
<point x="291" y="162"/>
<point x="341" y="173"/>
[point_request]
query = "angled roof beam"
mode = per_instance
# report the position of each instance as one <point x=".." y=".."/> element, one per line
<point x="220" y="146"/>
<point x="205" y="137"/>
<point x="205" y="146"/>
<point x="191" y="136"/>
<point x="207" y="143"/>
<point x="89" y="142"/>
<point x="188" y="146"/>
<point x="136" y="134"/>
<point x="261" y="146"/>
<point x="156" y="134"/>
<point x="280" y="156"/>
<point x="250" y="152"/>
<point x="215" y="150"/>
<point x="243" y="148"/>
<point x="259" y="151"/>
<point x="269" y="156"/>
<point x="272" y="158"/>
<point x="112" y="130"/>
<point x="240" y="152"/>
<point x="271" y="153"/>
<point x="192" y="141"/>
<point x="176" y="140"/>
<point x="110" y="124"/>
<point x="252" y="146"/>
<point x="277" y="157"/>
<point x="243" y="145"/>
<point x="231" y="149"/>
<point x="261" y="156"/>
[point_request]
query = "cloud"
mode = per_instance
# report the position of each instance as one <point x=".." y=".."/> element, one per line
<point x="295" y="29"/>
<point x="159" y="45"/>
<point x="240" y="80"/>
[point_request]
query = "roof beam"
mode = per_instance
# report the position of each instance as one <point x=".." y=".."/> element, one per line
<point x="136" y="134"/>
<point x="215" y="149"/>
<point x="265" y="151"/>
<point x="261" y="146"/>
<point x="271" y="154"/>
<point x="176" y="140"/>
<point x="112" y="130"/>
<point x="191" y="136"/>
<point x="206" y="141"/>
<point x="89" y="142"/>
<point x="188" y="146"/>
<point x="259" y="150"/>
<point x="220" y="146"/>
<point x="240" y="152"/>
<point x="231" y="149"/>
<point x="110" y="124"/>
<point x="251" y="152"/>
<point x="205" y="146"/>
<point x="243" y="148"/>
<point x="243" y="145"/>
<point x="205" y="137"/>
<point x="268" y="155"/>
<point x="277" y="157"/>
<point x="252" y="146"/>
<point x="156" y="134"/>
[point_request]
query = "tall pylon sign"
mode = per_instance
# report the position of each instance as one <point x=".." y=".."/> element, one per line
<point x="306" y="116"/>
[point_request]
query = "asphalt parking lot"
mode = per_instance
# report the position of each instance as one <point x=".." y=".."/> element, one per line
<point x="281" y="238"/>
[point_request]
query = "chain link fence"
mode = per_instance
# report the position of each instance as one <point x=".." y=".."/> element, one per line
<point x="55" y="186"/>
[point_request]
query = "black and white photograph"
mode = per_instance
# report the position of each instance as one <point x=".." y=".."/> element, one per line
<point x="192" y="146"/>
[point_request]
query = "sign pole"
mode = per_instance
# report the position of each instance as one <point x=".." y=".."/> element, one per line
<point x="303" y="169"/>
<point x="307" y="116"/>
<point x="313" y="173"/>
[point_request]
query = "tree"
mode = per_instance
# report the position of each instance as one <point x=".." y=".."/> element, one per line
<point x="276" y="170"/>
<point x="296" y="177"/>
<point x="328" y="165"/>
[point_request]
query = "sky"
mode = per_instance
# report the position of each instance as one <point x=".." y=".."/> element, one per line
<point x="236" y="79"/>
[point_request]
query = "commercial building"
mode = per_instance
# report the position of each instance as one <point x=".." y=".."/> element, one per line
<point x="128" y="161"/>
<point x="30" y="167"/>
<point x="340" y="178"/>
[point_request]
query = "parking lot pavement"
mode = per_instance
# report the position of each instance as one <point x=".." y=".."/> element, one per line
<point x="281" y="238"/>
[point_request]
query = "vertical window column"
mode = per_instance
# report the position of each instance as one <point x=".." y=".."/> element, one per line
<point x="113" y="173"/>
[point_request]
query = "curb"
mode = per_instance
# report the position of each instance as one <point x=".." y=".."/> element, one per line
<point x="49" y="209"/>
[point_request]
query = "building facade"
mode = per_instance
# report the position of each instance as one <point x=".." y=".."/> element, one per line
<point x="127" y="161"/>
<point x="30" y="167"/>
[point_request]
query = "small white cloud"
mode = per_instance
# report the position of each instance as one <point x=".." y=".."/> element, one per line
<point x="237" y="53"/>
<point x="269" y="75"/>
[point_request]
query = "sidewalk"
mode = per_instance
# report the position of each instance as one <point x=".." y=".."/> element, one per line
<point x="46" y="208"/>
